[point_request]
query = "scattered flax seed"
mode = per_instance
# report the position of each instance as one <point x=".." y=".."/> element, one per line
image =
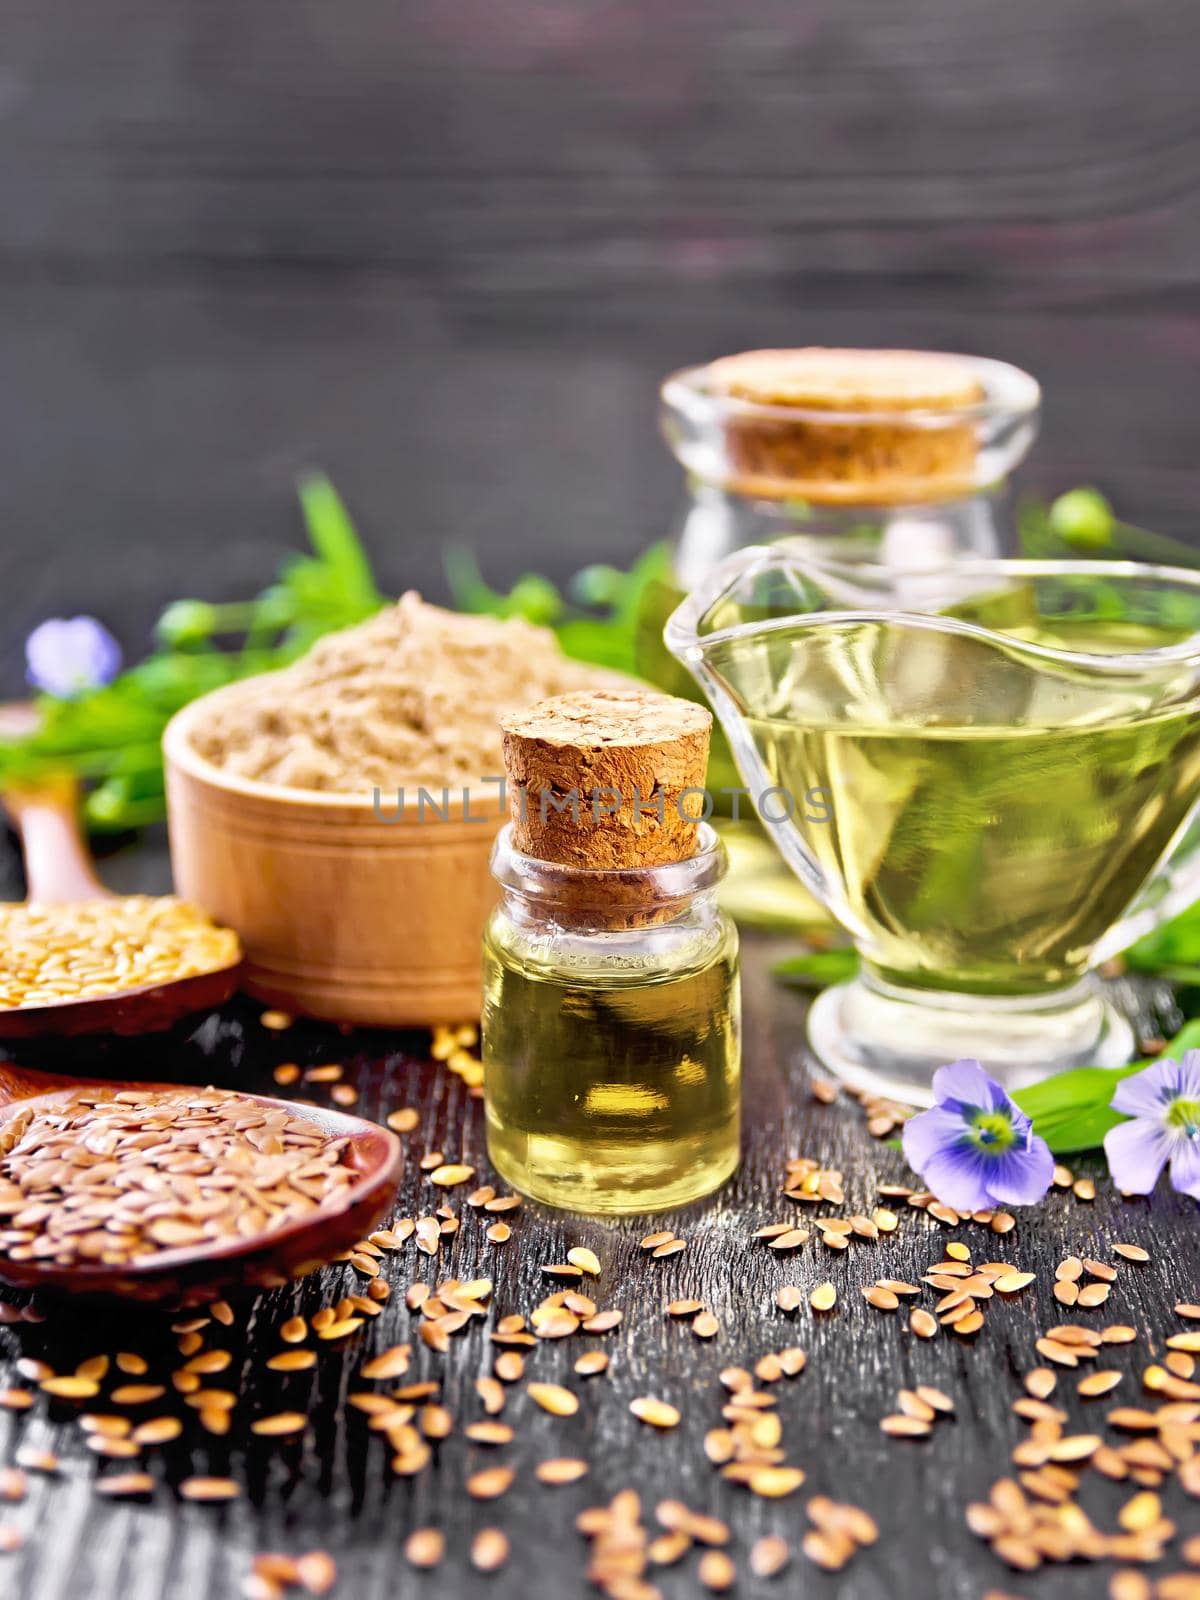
<point x="341" y="1328"/>
<point x="1099" y="1269"/>
<point x="706" y="1326"/>
<point x="656" y="1413"/>
<point x="827" y="1550"/>
<point x="510" y="1366"/>
<point x="11" y="1539"/>
<point x="137" y="1394"/>
<point x="1132" y="1252"/>
<point x="1094" y="1294"/>
<point x="769" y="1555"/>
<point x="793" y="1239"/>
<point x="684" y="1308"/>
<point x="293" y="1361"/>
<point x="1013" y="1282"/>
<point x="124" y="1485"/>
<point x="1041" y="1382"/>
<point x="789" y="1297"/>
<point x="425" y="1547"/>
<point x="1083" y="1189"/>
<point x="492" y="1393"/>
<point x="903" y="1427"/>
<point x="482" y="1433"/>
<point x="561" y="1470"/>
<point x="1188" y="1311"/>
<point x="14" y="1485"/>
<point x="70" y="1388"/>
<point x="922" y="1323"/>
<point x="499" y="1232"/>
<point x="602" y="1322"/>
<point x="279" y="1425"/>
<point x="209" y="1489"/>
<point x="491" y="1483"/>
<point x="586" y="1260"/>
<point x="159" y="1430"/>
<point x="936" y="1398"/>
<point x="451" y="1175"/>
<point x="774" y="1482"/>
<point x="882" y="1299"/>
<point x="316" y="1571"/>
<point x="406" y="1120"/>
<point x="37" y="1460"/>
<point x="672" y="1247"/>
<point x="390" y="1363"/>
<point x="591" y="1363"/>
<point x="653" y="1240"/>
<point x="275" y="1021"/>
<point x="823" y="1297"/>
<point x="716" y="1571"/>
<point x="552" y="1397"/>
<point x="294" y="1330"/>
<point x="668" y="1548"/>
<point x="134" y="1365"/>
<point x="489" y="1550"/>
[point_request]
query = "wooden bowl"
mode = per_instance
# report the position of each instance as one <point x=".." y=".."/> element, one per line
<point x="344" y="910"/>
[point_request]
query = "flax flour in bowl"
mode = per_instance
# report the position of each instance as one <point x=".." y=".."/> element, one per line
<point x="337" y="813"/>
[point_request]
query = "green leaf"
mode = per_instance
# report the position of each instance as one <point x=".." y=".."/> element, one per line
<point x="1073" y="1111"/>
<point x="1175" y="944"/>
<point x="345" y="570"/>
<point x="817" y="969"/>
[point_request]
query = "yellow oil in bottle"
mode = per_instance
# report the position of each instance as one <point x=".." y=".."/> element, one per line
<point x="612" y="1064"/>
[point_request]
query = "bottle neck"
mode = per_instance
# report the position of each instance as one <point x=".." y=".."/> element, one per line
<point x="582" y="900"/>
<point x="718" y="521"/>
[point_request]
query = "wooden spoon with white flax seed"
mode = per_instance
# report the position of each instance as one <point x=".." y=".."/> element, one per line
<point x="170" y="1192"/>
<point x="75" y="959"/>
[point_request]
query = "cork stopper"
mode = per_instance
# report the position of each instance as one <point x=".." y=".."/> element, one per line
<point x="607" y="779"/>
<point x="915" y="440"/>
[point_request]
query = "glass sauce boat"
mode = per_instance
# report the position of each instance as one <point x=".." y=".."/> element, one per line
<point x="990" y="775"/>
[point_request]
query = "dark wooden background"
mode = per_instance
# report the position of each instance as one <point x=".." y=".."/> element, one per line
<point x="446" y="250"/>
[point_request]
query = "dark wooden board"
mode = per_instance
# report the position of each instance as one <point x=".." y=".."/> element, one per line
<point x="333" y="1489"/>
<point x="447" y="252"/>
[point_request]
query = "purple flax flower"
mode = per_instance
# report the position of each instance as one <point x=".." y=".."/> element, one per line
<point x="1163" y="1103"/>
<point x="976" y="1149"/>
<point x="68" y="655"/>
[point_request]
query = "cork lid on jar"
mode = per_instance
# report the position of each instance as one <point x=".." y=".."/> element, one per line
<point x="848" y="380"/>
<point x="608" y="779"/>
<point x="848" y="426"/>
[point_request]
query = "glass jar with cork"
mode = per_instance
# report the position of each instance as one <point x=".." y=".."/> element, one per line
<point x="611" y="1017"/>
<point x="896" y="458"/>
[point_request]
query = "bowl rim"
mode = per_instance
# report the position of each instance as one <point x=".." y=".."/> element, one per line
<point x="181" y="754"/>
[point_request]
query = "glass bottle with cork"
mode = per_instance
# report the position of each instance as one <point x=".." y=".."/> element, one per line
<point x="611" y="1015"/>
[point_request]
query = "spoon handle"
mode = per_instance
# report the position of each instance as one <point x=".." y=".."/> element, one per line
<point x="57" y="865"/>
<point x="21" y="1083"/>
